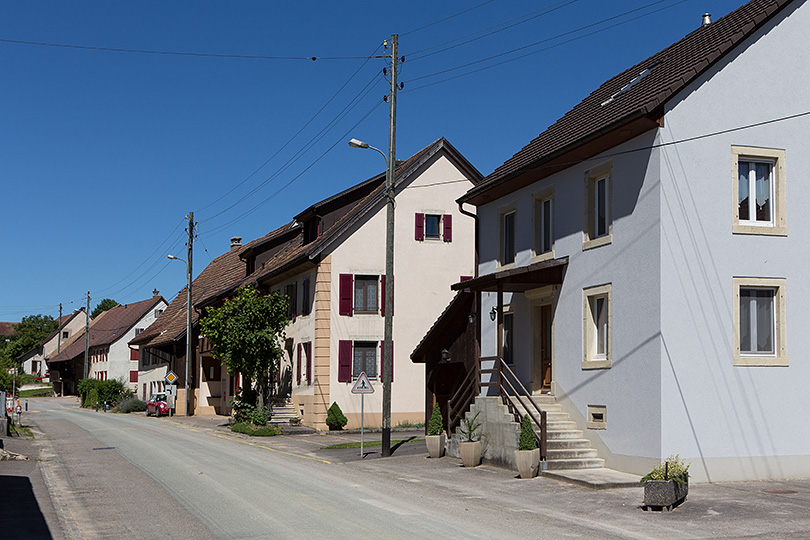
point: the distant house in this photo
(7, 329)
(110, 356)
(330, 262)
(33, 361)
(643, 261)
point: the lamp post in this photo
(188, 332)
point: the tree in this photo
(104, 305)
(246, 335)
(28, 333)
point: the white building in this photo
(33, 361)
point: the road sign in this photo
(362, 385)
(171, 378)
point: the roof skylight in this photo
(632, 83)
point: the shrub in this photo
(435, 426)
(247, 413)
(335, 418)
(132, 404)
(111, 391)
(92, 399)
(528, 440)
(670, 469)
(256, 431)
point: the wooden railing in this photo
(462, 399)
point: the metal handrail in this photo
(541, 423)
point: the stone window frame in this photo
(771, 155)
(780, 357)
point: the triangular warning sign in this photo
(362, 385)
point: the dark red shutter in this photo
(382, 296)
(344, 361)
(346, 294)
(308, 353)
(462, 279)
(133, 355)
(305, 297)
(133, 376)
(294, 299)
(382, 361)
(419, 230)
(447, 222)
(298, 366)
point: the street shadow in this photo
(21, 516)
(395, 447)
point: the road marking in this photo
(269, 448)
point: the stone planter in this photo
(470, 453)
(435, 445)
(659, 494)
(528, 462)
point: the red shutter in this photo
(133, 355)
(308, 352)
(344, 361)
(382, 361)
(133, 376)
(298, 366)
(305, 309)
(346, 303)
(447, 222)
(294, 299)
(419, 230)
(382, 296)
(462, 279)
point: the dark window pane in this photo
(601, 207)
(742, 191)
(763, 187)
(365, 359)
(432, 226)
(365, 293)
(546, 246)
(508, 238)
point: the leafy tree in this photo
(104, 305)
(246, 335)
(29, 332)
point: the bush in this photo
(111, 391)
(92, 399)
(256, 431)
(528, 440)
(132, 404)
(335, 418)
(247, 413)
(670, 469)
(435, 426)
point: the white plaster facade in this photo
(35, 362)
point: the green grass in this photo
(21, 431)
(36, 392)
(410, 425)
(367, 443)
(256, 431)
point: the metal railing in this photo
(512, 391)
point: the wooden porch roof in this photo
(519, 279)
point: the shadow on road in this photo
(21, 516)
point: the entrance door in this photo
(542, 319)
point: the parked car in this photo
(157, 404)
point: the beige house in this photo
(33, 361)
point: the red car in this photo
(157, 405)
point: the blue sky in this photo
(103, 153)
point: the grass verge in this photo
(36, 392)
(256, 431)
(21, 431)
(367, 443)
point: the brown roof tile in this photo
(7, 328)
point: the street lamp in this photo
(388, 360)
(188, 332)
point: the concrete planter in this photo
(470, 453)
(528, 462)
(436, 445)
(664, 493)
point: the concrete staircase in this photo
(567, 448)
(283, 412)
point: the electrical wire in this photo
(446, 18)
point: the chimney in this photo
(236, 242)
(155, 293)
(707, 20)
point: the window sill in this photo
(506, 266)
(542, 257)
(738, 228)
(358, 312)
(763, 361)
(596, 364)
(596, 242)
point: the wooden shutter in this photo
(294, 300)
(344, 361)
(298, 366)
(462, 279)
(382, 296)
(382, 361)
(308, 353)
(346, 303)
(133, 355)
(133, 376)
(305, 297)
(419, 230)
(447, 223)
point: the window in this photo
(433, 227)
(432, 222)
(365, 294)
(598, 207)
(65, 334)
(138, 331)
(597, 417)
(597, 329)
(305, 298)
(508, 338)
(544, 225)
(759, 322)
(291, 292)
(759, 187)
(507, 243)
(364, 359)
(158, 313)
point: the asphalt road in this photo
(129, 476)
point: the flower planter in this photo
(470, 453)
(435, 445)
(660, 494)
(528, 462)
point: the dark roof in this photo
(109, 327)
(220, 274)
(7, 328)
(518, 279)
(639, 92)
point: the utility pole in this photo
(87, 335)
(59, 339)
(188, 312)
(388, 359)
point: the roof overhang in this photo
(519, 279)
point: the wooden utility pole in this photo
(87, 335)
(188, 312)
(59, 338)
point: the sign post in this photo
(362, 386)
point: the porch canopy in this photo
(519, 279)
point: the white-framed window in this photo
(365, 359)
(759, 322)
(597, 318)
(432, 226)
(507, 238)
(759, 191)
(598, 228)
(544, 224)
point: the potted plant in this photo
(527, 456)
(436, 438)
(470, 445)
(667, 484)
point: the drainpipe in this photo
(475, 219)
(476, 301)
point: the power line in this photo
(180, 53)
(446, 18)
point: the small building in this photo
(34, 360)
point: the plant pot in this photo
(664, 493)
(470, 453)
(528, 462)
(435, 445)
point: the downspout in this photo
(476, 301)
(475, 219)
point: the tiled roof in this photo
(220, 274)
(620, 99)
(7, 328)
(109, 327)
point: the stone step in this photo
(560, 444)
(571, 453)
(561, 425)
(563, 434)
(587, 463)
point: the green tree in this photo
(246, 335)
(28, 333)
(104, 305)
